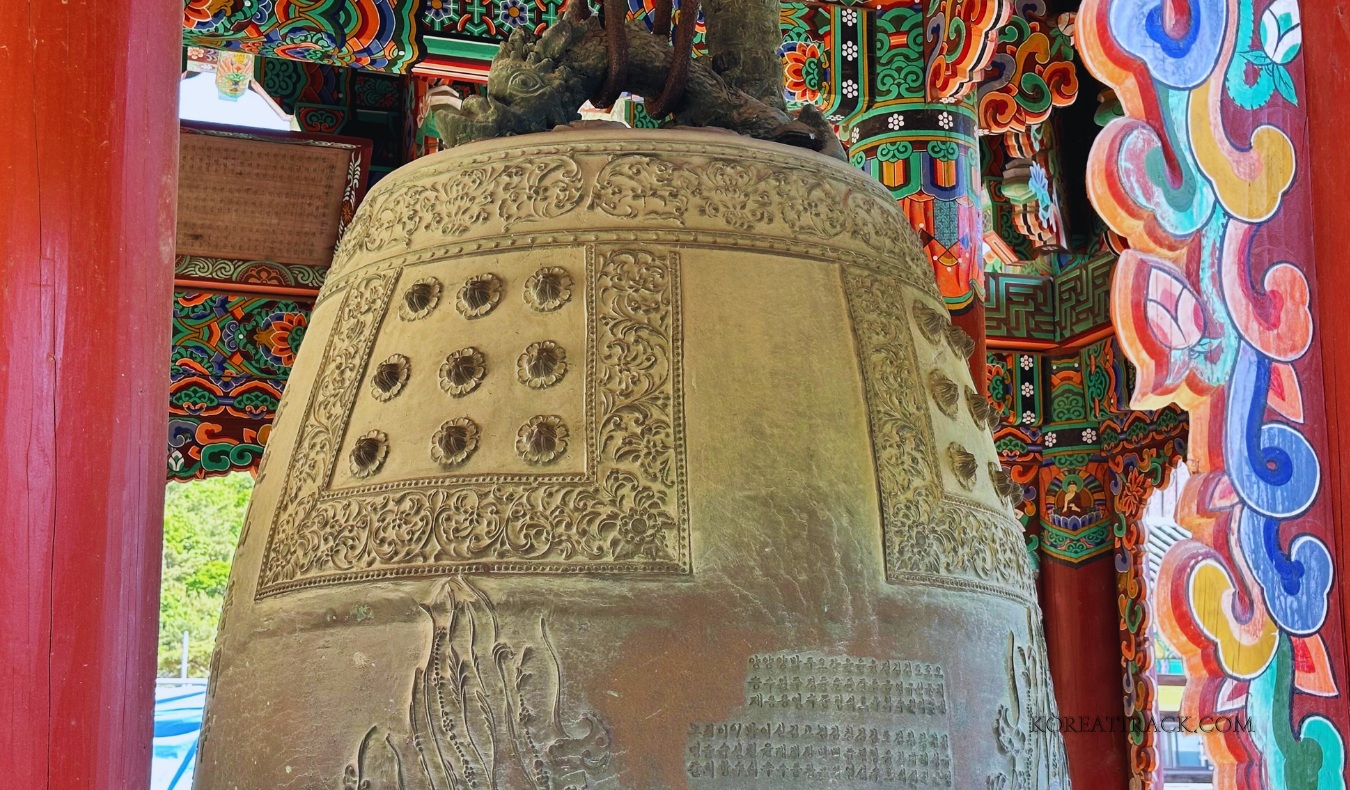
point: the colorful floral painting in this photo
(513, 14)
(231, 358)
(367, 34)
(806, 72)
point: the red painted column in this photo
(1082, 641)
(972, 321)
(88, 165)
(1326, 38)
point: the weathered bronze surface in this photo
(537, 82)
(630, 460)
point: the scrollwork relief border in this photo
(930, 537)
(711, 189)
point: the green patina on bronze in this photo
(539, 82)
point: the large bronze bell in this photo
(630, 459)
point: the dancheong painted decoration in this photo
(232, 355)
(1207, 177)
(367, 34)
(1175, 327)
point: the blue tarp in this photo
(178, 722)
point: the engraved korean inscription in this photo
(812, 720)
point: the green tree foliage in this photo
(202, 520)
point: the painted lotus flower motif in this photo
(439, 11)
(1134, 493)
(1039, 183)
(805, 71)
(513, 13)
(1281, 31)
(1174, 313)
(234, 72)
(280, 337)
(202, 14)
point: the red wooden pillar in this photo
(1082, 641)
(88, 165)
(972, 321)
(1326, 37)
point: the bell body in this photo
(630, 459)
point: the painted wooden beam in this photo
(1208, 177)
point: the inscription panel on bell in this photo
(812, 720)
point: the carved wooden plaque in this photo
(266, 196)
